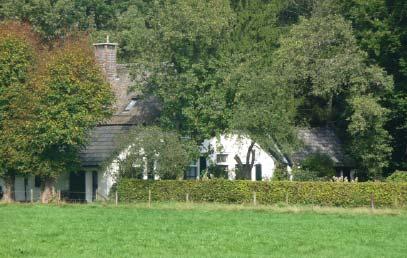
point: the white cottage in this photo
(222, 152)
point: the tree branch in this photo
(249, 151)
(238, 160)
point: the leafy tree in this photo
(73, 98)
(381, 30)
(55, 19)
(322, 65)
(151, 151)
(320, 163)
(17, 59)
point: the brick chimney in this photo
(105, 54)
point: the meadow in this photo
(199, 230)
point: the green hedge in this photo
(226, 191)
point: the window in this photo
(94, 184)
(37, 181)
(259, 173)
(192, 172)
(131, 104)
(221, 158)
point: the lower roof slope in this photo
(321, 140)
(103, 143)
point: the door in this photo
(94, 184)
(259, 175)
(77, 187)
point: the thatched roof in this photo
(321, 140)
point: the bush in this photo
(300, 174)
(398, 176)
(320, 164)
(227, 191)
(281, 174)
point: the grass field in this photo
(200, 230)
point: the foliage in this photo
(398, 176)
(151, 151)
(73, 98)
(184, 59)
(380, 29)
(18, 57)
(228, 191)
(280, 174)
(301, 174)
(369, 142)
(320, 163)
(320, 62)
(55, 19)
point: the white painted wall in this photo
(88, 186)
(22, 191)
(233, 144)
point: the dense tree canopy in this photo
(17, 59)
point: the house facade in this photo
(220, 154)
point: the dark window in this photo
(94, 184)
(37, 181)
(192, 172)
(259, 175)
(202, 163)
(221, 158)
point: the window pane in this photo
(220, 158)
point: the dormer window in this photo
(131, 104)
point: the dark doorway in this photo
(77, 186)
(343, 171)
(259, 175)
(94, 184)
(202, 164)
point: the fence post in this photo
(187, 197)
(117, 198)
(149, 198)
(371, 200)
(59, 196)
(254, 198)
(31, 196)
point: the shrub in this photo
(321, 164)
(300, 174)
(228, 191)
(398, 176)
(280, 174)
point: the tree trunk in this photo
(246, 169)
(48, 190)
(9, 194)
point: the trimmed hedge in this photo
(226, 191)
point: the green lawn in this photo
(176, 230)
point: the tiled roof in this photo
(103, 143)
(321, 140)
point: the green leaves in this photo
(321, 63)
(73, 98)
(153, 151)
